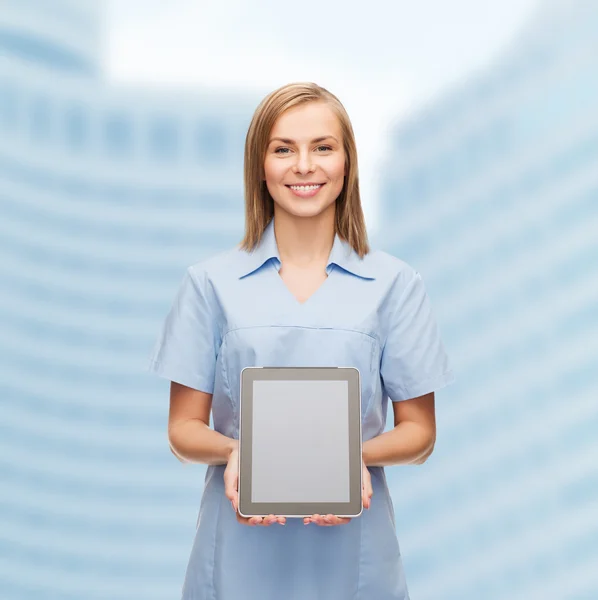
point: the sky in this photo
(382, 58)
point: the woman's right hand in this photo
(231, 491)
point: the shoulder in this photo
(208, 278)
(223, 265)
(393, 272)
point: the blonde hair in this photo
(259, 205)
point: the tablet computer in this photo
(300, 441)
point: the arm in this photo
(412, 439)
(189, 434)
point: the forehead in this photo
(306, 121)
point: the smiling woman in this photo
(303, 139)
(307, 167)
(302, 289)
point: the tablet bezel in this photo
(351, 375)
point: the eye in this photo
(285, 148)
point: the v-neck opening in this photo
(294, 298)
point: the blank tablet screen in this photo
(300, 450)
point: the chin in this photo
(304, 210)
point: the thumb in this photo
(230, 484)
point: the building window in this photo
(211, 142)
(163, 138)
(475, 151)
(501, 134)
(8, 107)
(117, 135)
(40, 118)
(417, 185)
(444, 173)
(394, 200)
(76, 127)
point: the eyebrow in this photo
(289, 141)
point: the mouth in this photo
(306, 191)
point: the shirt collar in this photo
(342, 255)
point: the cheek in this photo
(272, 171)
(337, 169)
(276, 176)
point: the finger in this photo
(331, 520)
(230, 488)
(243, 520)
(334, 520)
(249, 520)
(268, 520)
(368, 491)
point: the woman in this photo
(302, 289)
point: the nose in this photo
(304, 163)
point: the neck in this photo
(304, 241)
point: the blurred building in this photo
(491, 192)
(107, 194)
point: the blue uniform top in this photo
(233, 310)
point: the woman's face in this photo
(302, 157)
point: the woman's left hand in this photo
(367, 492)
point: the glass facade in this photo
(103, 204)
(493, 197)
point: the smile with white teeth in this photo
(305, 187)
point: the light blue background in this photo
(488, 186)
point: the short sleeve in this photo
(413, 361)
(187, 346)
